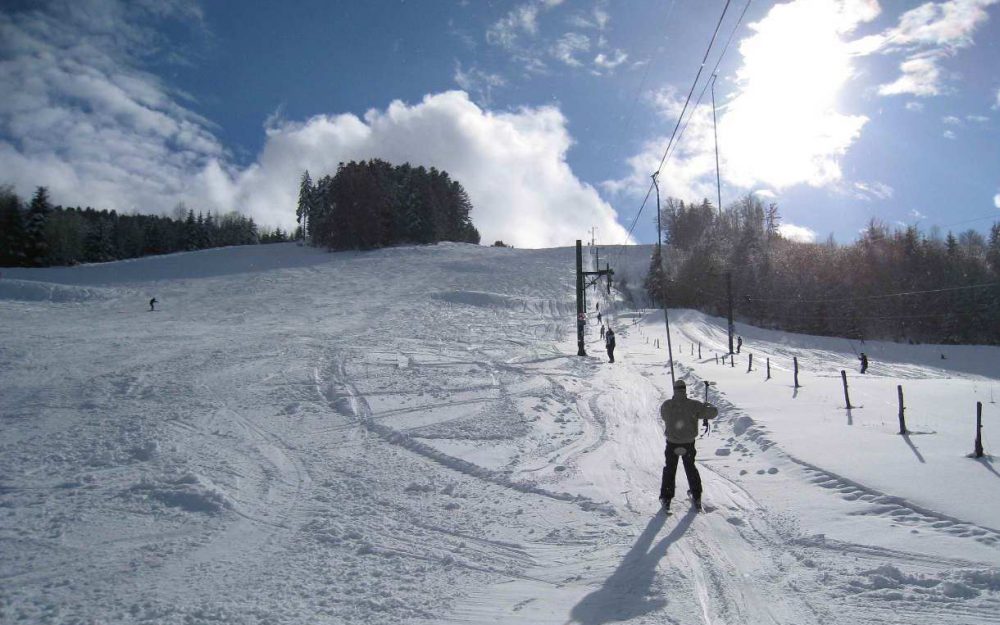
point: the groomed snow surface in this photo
(408, 436)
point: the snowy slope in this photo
(406, 435)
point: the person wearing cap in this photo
(609, 343)
(680, 416)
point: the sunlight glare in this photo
(781, 128)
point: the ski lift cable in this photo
(821, 300)
(673, 135)
(645, 75)
(882, 296)
(714, 74)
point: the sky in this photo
(553, 114)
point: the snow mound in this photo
(482, 299)
(29, 291)
(188, 491)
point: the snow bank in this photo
(188, 491)
(30, 291)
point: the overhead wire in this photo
(674, 134)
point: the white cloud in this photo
(780, 132)
(690, 172)
(801, 234)
(476, 81)
(567, 47)
(997, 104)
(521, 20)
(917, 214)
(513, 166)
(873, 190)
(914, 106)
(597, 19)
(996, 200)
(81, 116)
(930, 33)
(979, 119)
(948, 134)
(772, 132)
(921, 76)
(609, 62)
(951, 120)
(940, 24)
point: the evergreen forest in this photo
(371, 204)
(897, 284)
(38, 234)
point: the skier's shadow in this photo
(626, 594)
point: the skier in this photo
(602, 330)
(739, 343)
(598, 317)
(680, 419)
(864, 362)
(152, 304)
(609, 342)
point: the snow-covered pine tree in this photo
(36, 247)
(306, 197)
(11, 228)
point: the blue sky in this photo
(552, 113)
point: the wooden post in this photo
(795, 362)
(692, 349)
(902, 410)
(716, 358)
(979, 429)
(750, 363)
(699, 351)
(847, 398)
(581, 317)
(732, 360)
(768, 369)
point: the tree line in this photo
(38, 234)
(892, 283)
(371, 204)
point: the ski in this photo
(695, 502)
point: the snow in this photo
(407, 436)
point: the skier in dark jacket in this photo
(609, 342)
(864, 362)
(152, 304)
(680, 416)
(739, 343)
(602, 330)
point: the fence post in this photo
(716, 358)
(795, 362)
(768, 369)
(847, 398)
(902, 410)
(750, 363)
(732, 360)
(979, 430)
(699, 351)
(692, 349)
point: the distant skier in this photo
(602, 330)
(609, 342)
(680, 416)
(598, 317)
(152, 304)
(864, 362)
(739, 343)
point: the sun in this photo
(781, 128)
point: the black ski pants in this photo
(611, 354)
(670, 470)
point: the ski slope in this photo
(407, 436)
